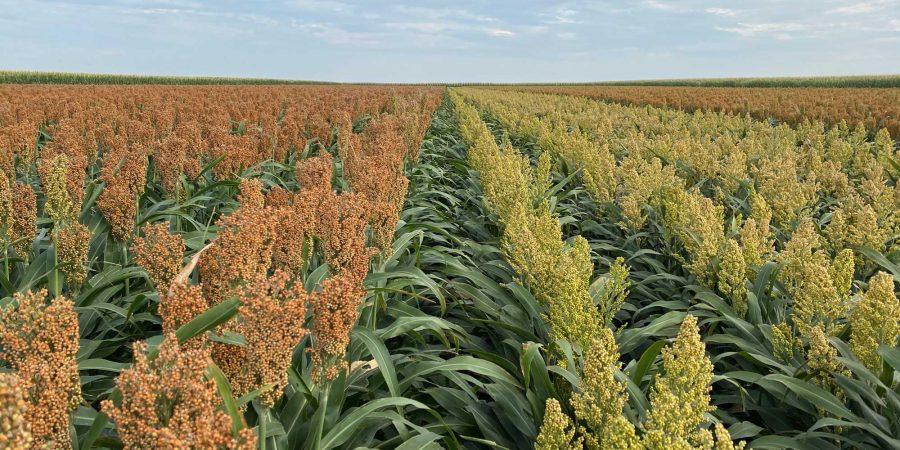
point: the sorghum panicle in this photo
(822, 362)
(39, 341)
(557, 431)
(842, 268)
(6, 207)
(278, 197)
(59, 205)
(601, 399)
(856, 224)
(251, 196)
(875, 321)
(124, 171)
(335, 311)
(315, 173)
(72, 244)
(167, 161)
(159, 252)
(297, 218)
(15, 431)
(168, 403)
(7, 157)
(615, 290)
(271, 319)
(784, 343)
(24, 225)
(723, 439)
(179, 304)
(242, 249)
(731, 274)
(79, 144)
(680, 396)
(697, 223)
(806, 276)
(342, 221)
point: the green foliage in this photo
(26, 77)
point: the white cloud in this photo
(500, 33)
(780, 30)
(423, 27)
(321, 5)
(446, 13)
(158, 11)
(564, 16)
(662, 6)
(537, 29)
(560, 16)
(339, 36)
(862, 7)
(566, 36)
(722, 11)
(181, 4)
(438, 24)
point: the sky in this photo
(453, 41)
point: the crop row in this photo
(874, 108)
(559, 276)
(215, 229)
(778, 233)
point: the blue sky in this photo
(463, 40)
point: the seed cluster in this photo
(602, 397)
(251, 195)
(335, 311)
(373, 165)
(123, 174)
(679, 402)
(6, 206)
(807, 276)
(822, 363)
(178, 154)
(159, 252)
(178, 305)
(168, 403)
(24, 224)
(72, 244)
(557, 430)
(15, 431)
(314, 174)
(680, 399)
(241, 251)
(59, 205)
(38, 340)
(77, 143)
(297, 218)
(875, 321)
(271, 319)
(615, 290)
(341, 226)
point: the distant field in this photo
(875, 108)
(856, 81)
(18, 77)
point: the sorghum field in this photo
(417, 267)
(874, 108)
